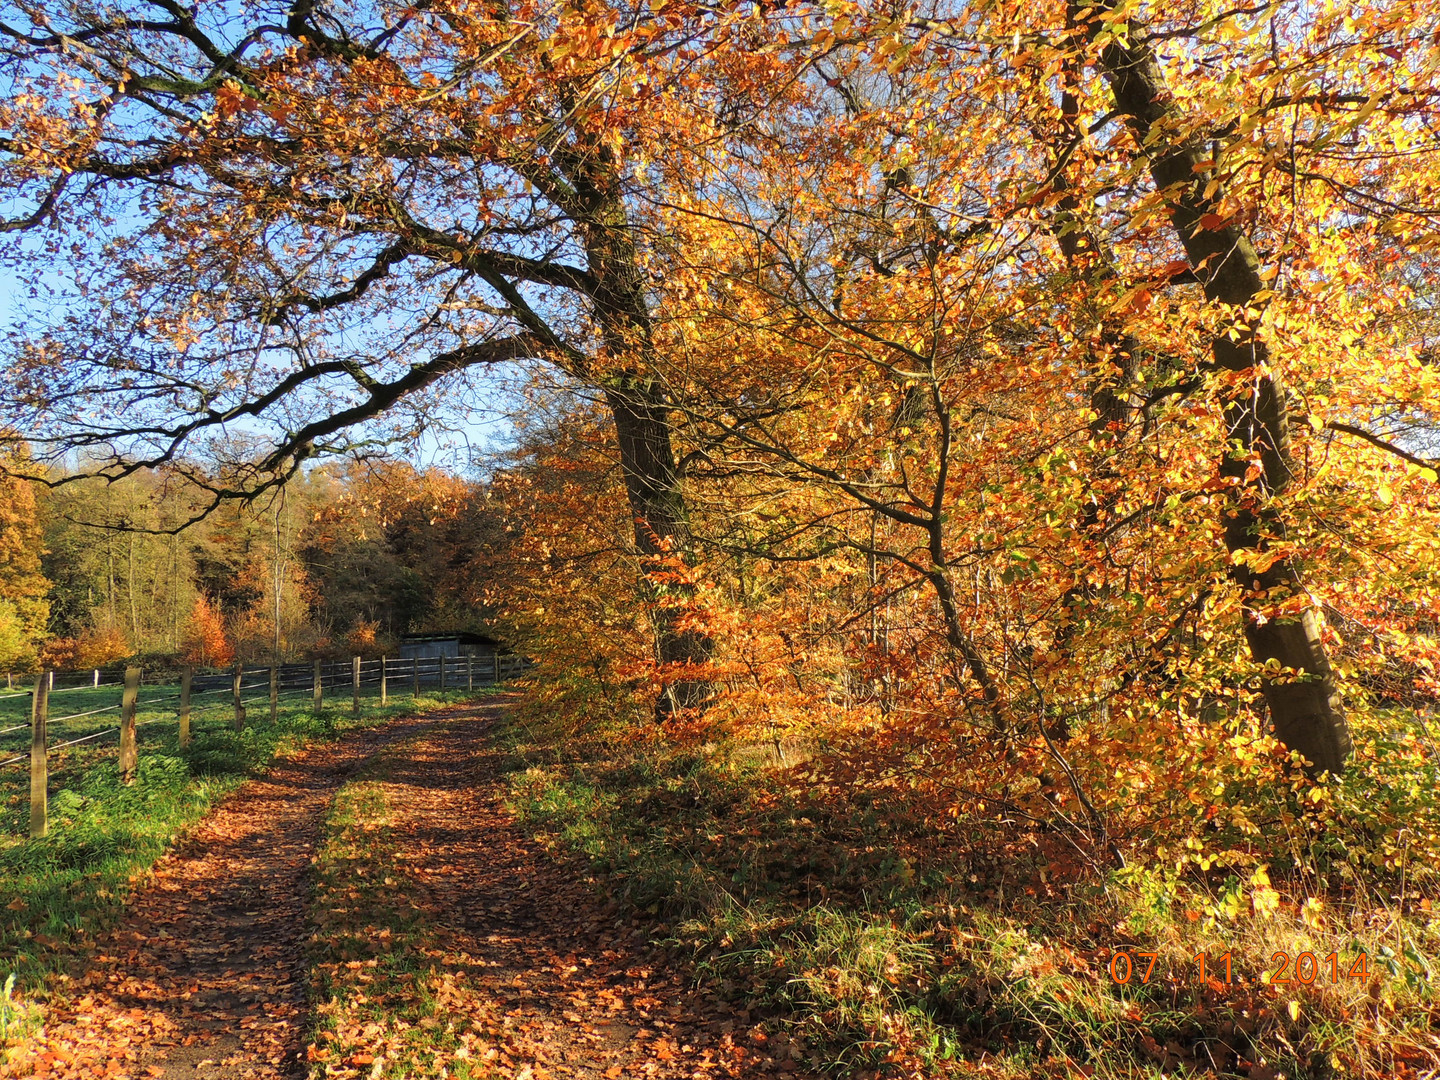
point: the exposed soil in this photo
(204, 977)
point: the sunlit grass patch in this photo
(378, 981)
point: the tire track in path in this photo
(553, 982)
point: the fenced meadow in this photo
(69, 722)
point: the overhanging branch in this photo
(1383, 444)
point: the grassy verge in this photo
(378, 976)
(56, 892)
(892, 944)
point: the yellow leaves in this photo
(889, 46)
(1227, 907)
(1256, 560)
(1367, 109)
(1196, 852)
(1264, 900)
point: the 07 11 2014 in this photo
(1304, 969)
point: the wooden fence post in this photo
(274, 693)
(384, 682)
(470, 672)
(497, 669)
(416, 673)
(442, 673)
(95, 677)
(129, 757)
(318, 685)
(39, 764)
(235, 692)
(355, 685)
(187, 677)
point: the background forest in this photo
(341, 562)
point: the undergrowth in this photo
(898, 946)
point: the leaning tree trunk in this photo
(1307, 712)
(641, 412)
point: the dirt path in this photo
(540, 958)
(204, 977)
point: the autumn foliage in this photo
(91, 649)
(24, 607)
(205, 642)
(1035, 402)
(1021, 414)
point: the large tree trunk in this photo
(642, 426)
(1114, 361)
(647, 458)
(1307, 712)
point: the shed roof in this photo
(465, 637)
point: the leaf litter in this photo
(512, 958)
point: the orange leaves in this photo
(362, 639)
(231, 99)
(24, 606)
(206, 643)
(92, 649)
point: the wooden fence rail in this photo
(292, 676)
(278, 681)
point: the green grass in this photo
(57, 892)
(884, 940)
(381, 987)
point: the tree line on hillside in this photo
(341, 561)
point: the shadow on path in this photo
(203, 975)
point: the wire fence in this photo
(318, 680)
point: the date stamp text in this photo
(1128, 966)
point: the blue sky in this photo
(474, 438)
